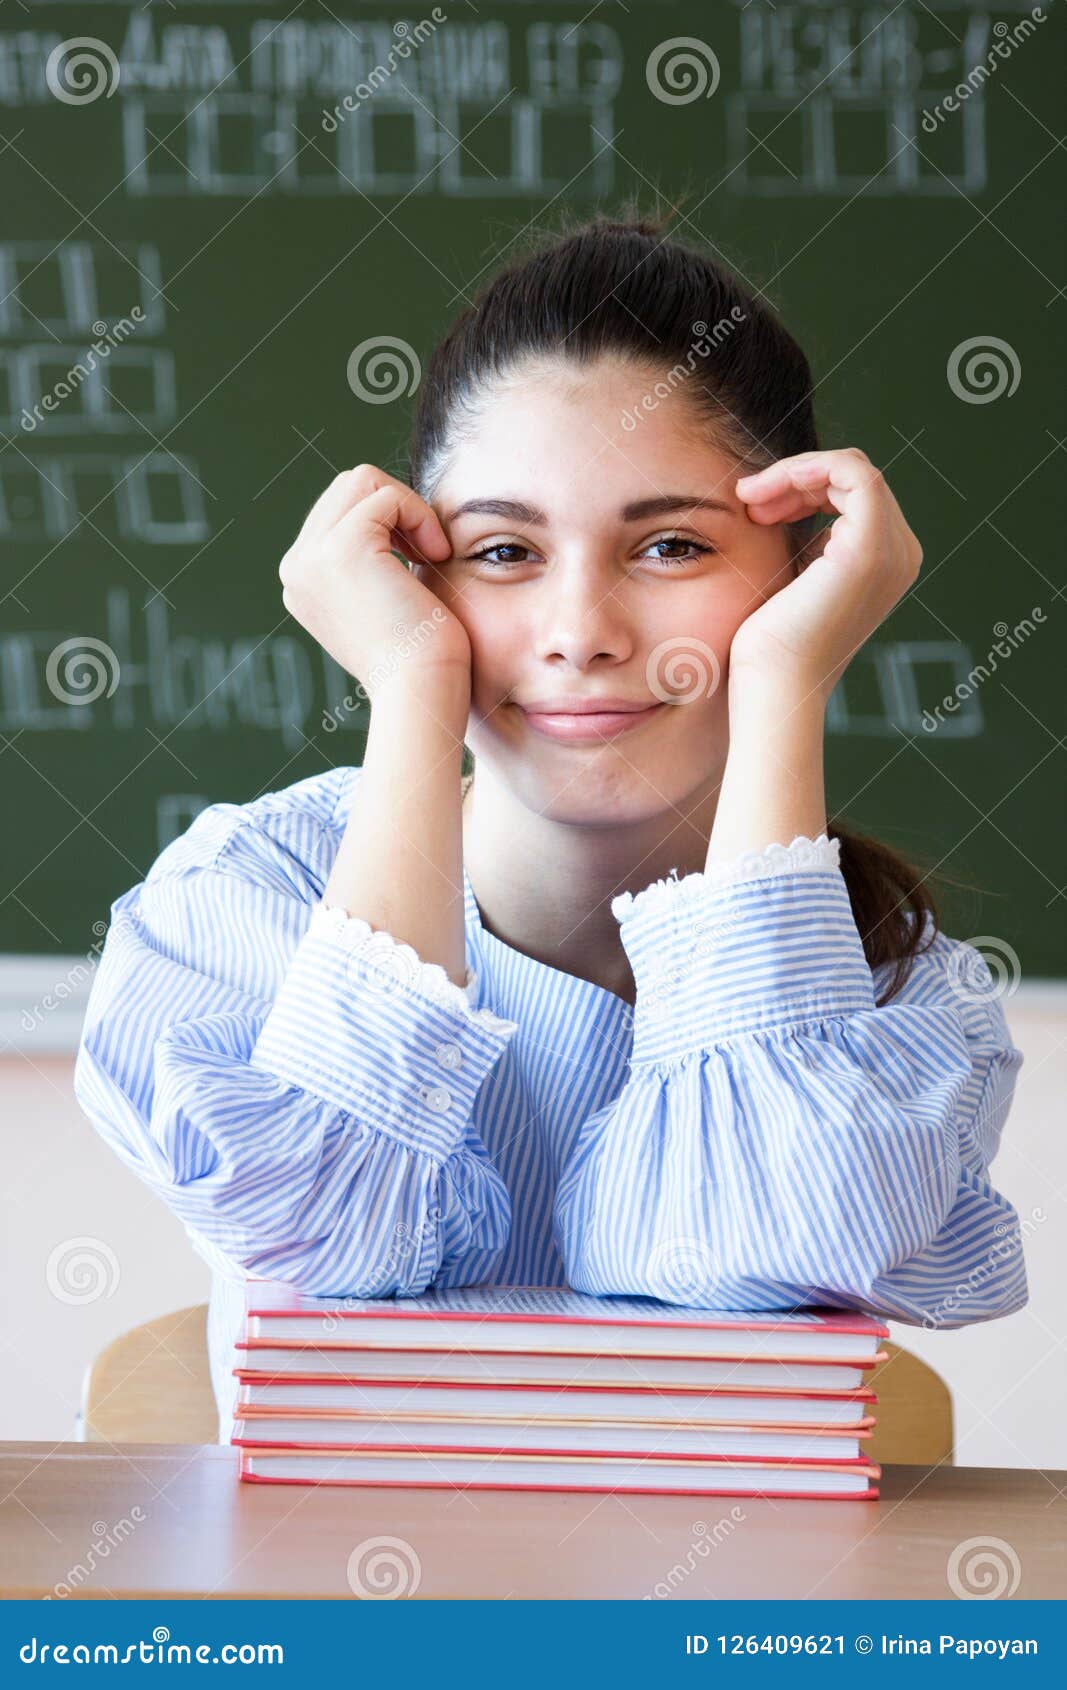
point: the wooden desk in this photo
(173, 1520)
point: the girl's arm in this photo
(295, 1085)
(781, 1141)
(263, 1045)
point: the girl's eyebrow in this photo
(639, 510)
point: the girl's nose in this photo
(580, 616)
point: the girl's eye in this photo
(693, 547)
(501, 546)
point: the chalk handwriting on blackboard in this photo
(63, 388)
(169, 679)
(909, 678)
(78, 287)
(481, 108)
(153, 496)
(828, 99)
(831, 98)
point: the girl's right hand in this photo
(341, 581)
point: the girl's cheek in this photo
(497, 661)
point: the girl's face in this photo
(594, 559)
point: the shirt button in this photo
(449, 1056)
(438, 1098)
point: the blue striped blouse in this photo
(319, 1106)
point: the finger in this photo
(404, 516)
(400, 542)
(843, 468)
(842, 483)
(790, 506)
(352, 486)
(337, 498)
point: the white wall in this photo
(1008, 1378)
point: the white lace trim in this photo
(803, 856)
(404, 964)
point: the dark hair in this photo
(620, 287)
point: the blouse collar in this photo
(511, 984)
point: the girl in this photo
(711, 1047)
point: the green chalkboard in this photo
(190, 194)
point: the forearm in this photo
(400, 862)
(773, 787)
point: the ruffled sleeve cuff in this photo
(402, 964)
(362, 1021)
(765, 940)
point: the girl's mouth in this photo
(588, 727)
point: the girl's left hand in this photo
(860, 566)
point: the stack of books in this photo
(532, 1388)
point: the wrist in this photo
(440, 691)
(773, 786)
(764, 702)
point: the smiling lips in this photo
(586, 719)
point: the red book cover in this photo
(862, 1400)
(584, 1475)
(256, 1435)
(248, 1376)
(416, 1349)
(538, 1304)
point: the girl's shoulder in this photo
(973, 977)
(296, 827)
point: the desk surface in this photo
(173, 1520)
